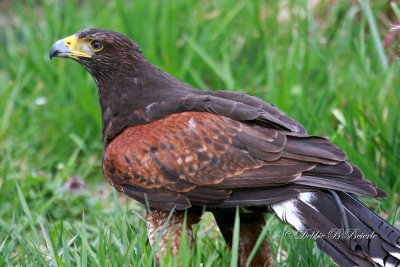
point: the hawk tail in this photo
(345, 229)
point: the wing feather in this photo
(200, 158)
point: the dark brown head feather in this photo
(111, 38)
(118, 56)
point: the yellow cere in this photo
(77, 47)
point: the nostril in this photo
(68, 43)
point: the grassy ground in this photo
(325, 65)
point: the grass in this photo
(324, 65)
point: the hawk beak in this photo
(68, 47)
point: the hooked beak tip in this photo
(59, 49)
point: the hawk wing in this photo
(200, 158)
(234, 105)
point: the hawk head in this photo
(103, 53)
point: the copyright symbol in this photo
(288, 234)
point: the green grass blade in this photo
(49, 241)
(235, 240)
(366, 7)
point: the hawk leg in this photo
(165, 229)
(251, 226)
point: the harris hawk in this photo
(175, 148)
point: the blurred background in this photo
(329, 64)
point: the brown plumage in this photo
(172, 147)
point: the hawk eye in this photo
(96, 45)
